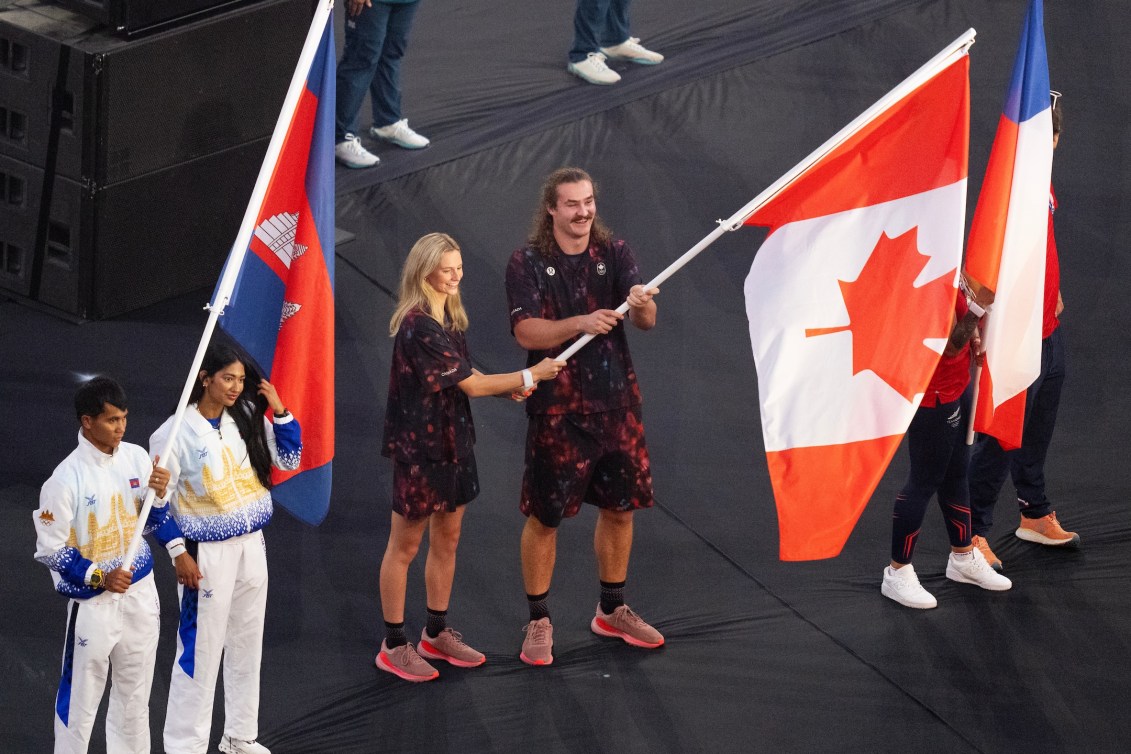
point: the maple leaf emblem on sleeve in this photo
(889, 317)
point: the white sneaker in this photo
(972, 568)
(400, 134)
(634, 52)
(902, 585)
(351, 154)
(230, 745)
(594, 70)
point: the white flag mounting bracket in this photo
(217, 307)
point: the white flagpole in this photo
(949, 54)
(974, 404)
(239, 248)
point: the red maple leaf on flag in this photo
(889, 317)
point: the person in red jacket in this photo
(989, 463)
(936, 444)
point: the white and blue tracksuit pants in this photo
(224, 617)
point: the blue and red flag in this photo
(281, 310)
(1008, 239)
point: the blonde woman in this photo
(429, 435)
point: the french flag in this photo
(281, 310)
(1008, 236)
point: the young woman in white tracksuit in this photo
(220, 472)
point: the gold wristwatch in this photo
(97, 578)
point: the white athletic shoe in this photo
(902, 585)
(634, 52)
(400, 134)
(972, 568)
(350, 153)
(594, 70)
(230, 745)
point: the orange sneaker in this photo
(1046, 531)
(983, 545)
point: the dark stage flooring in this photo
(761, 655)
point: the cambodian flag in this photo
(281, 310)
(1008, 236)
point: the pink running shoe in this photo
(623, 623)
(405, 663)
(538, 646)
(449, 647)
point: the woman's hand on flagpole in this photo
(159, 478)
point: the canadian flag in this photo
(850, 301)
(1008, 239)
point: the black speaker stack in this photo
(126, 163)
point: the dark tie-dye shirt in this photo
(600, 377)
(428, 417)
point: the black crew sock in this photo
(612, 596)
(437, 622)
(538, 605)
(394, 635)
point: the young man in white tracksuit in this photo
(88, 512)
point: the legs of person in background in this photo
(365, 39)
(990, 464)
(385, 86)
(1027, 464)
(601, 32)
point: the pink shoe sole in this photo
(522, 656)
(427, 650)
(388, 667)
(601, 628)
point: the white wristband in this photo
(527, 379)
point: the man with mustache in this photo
(585, 439)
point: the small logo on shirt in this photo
(82, 641)
(134, 483)
(46, 518)
(600, 268)
(516, 310)
(91, 500)
(202, 454)
(954, 418)
(551, 271)
(450, 371)
(207, 593)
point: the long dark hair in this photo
(250, 406)
(541, 237)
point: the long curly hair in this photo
(542, 228)
(249, 408)
(423, 259)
